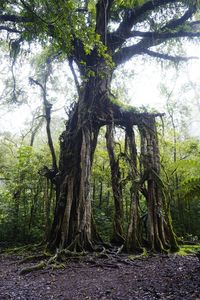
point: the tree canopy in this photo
(85, 30)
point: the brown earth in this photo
(156, 277)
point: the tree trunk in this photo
(72, 224)
(100, 194)
(133, 241)
(117, 237)
(159, 237)
(48, 195)
(72, 227)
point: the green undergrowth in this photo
(189, 249)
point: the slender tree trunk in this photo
(133, 241)
(100, 194)
(48, 195)
(117, 190)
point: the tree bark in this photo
(133, 240)
(73, 227)
(118, 233)
(160, 235)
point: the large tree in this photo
(98, 36)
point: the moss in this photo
(21, 250)
(37, 267)
(57, 266)
(124, 106)
(189, 249)
(144, 254)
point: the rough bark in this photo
(118, 233)
(158, 238)
(133, 240)
(73, 225)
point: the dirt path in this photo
(160, 277)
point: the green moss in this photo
(37, 267)
(57, 266)
(124, 106)
(144, 254)
(189, 249)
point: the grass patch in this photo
(189, 249)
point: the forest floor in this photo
(156, 277)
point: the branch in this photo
(132, 17)
(10, 29)
(30, 10)
(164, 35)
(33, 81)
(174, 23)
(102, 17)
(15, 19)
(47, 108)
(155, 38)
(75, 76)
(169, 57)
(128, 52)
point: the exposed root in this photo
(32, 258)
(25, 249)
(143, 255)
(57, 261)
(37, 267)
(107, 258)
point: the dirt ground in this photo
(156, 277)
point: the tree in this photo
(98, 36)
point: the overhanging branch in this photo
(169, 57)
(174, 23)
(117, 38)
(164, 35)
(151, 39)
(15, 19)
(132, 17)
(8, 29)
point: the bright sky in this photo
(143, 88)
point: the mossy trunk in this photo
(72, 226)
(157, 224)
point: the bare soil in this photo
(156, 277)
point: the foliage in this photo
(22, 196)
(180, 167)
(189, 249)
